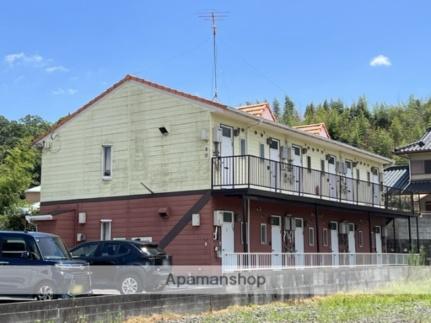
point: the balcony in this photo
(252, 172)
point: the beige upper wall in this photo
(256, 134)
(128, 119)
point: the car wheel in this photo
(44, 291)
(130, 284)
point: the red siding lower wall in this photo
(195, 245)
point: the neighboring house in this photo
(414, 179)
(32, 197)
(204, 180)
(318, 129)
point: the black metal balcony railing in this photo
(246, 171)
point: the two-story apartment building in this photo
(205, 180)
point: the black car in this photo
(37, 265)
(127, 266)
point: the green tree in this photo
(276, 109)
(290, 115)
(16, 171)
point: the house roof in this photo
(421, 145)
(419, 187)
(397, 177)
(35, 189)
(218, 106)
(260, 110)
(317, 129)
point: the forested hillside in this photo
(379, 129)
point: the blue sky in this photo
(57, 55)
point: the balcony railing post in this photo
(339, 186)
(233, 171)
(212, 173)
(372, 194)
(248, 175)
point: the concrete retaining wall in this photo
(283, 285)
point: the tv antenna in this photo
(213, 17)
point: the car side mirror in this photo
(25, 254)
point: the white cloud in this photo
(380, 60)
(57, 68)
(17, 58)
(61, 91)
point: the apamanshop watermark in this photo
(237, 279)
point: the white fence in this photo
(250, 261)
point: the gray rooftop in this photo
(421, 145)
(397, 177)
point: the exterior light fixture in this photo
(163, 131)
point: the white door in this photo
(376, 187)
(334, 242)
(378, 242)
(349, 181)
(274, 156)
(276, 241)
(297, 163)
(226, 153)
(227, 241)
(351, 243)
(299, 242)
(332, 177)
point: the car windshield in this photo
(52, 248)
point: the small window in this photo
(107, 162)
(297, 150)
(325, 237)
(331, 160)
(105, 229)
(275, 220)
(263, 234)
(311, 236)
(273, 144)
(242, 146)
(361, 238)
(226, 132)
(427, 166)
(309, 163)
(298, 223)
(227, 217)
(262, 151)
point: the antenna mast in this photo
(213, 16)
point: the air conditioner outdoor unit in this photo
(217, 134)
(343, 228)
(218, 218)
(82, 217)
(80, 237)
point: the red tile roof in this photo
(317, 129)
(261, 110)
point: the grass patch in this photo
(391, 305)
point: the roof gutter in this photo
(34, 218)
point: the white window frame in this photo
(311, 237)
(102, 223)
(106, 177)
(361, 238)
(263, 241)
(325, 237)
